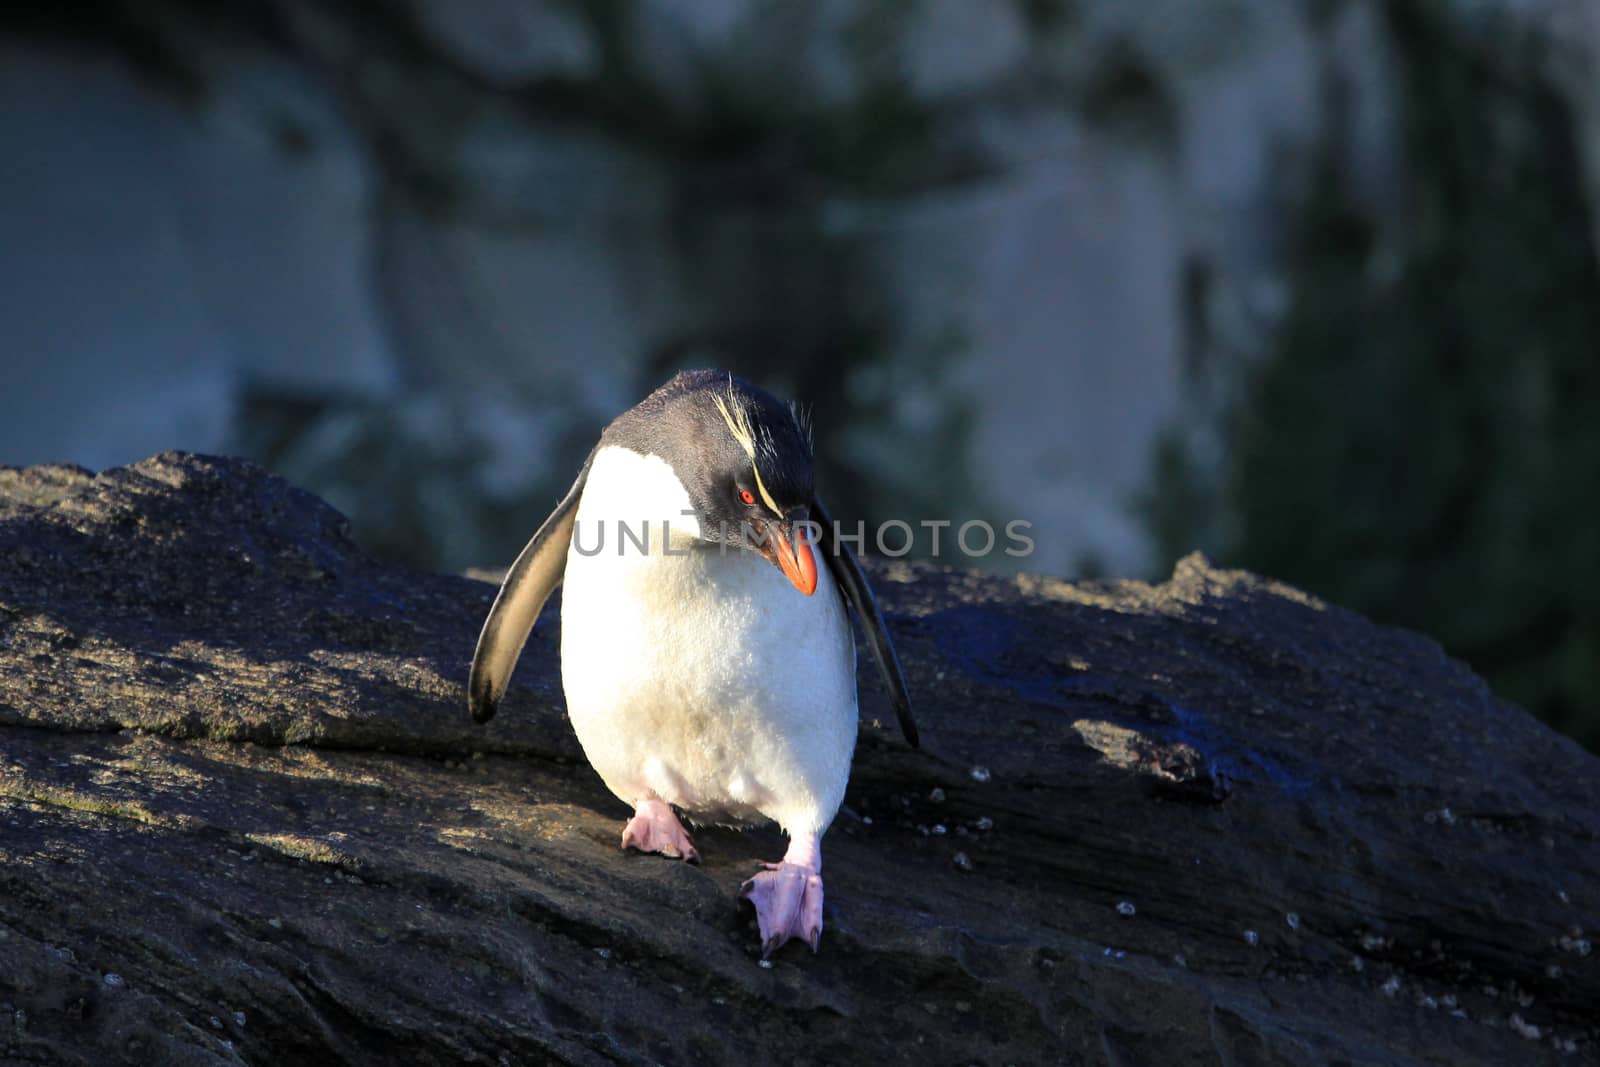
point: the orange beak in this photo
(796, 559)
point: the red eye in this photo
(747, 496)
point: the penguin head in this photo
(744, 459)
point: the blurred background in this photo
(1308, 284)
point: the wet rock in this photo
(237, 771)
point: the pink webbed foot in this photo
(788, 895)
(788, 901)
(654, 828)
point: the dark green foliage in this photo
(1046, 16)
(1125, 93)
(1423, 444)
(152, 36)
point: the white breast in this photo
(700, 674)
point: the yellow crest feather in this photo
(738, 420)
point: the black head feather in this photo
(724, 437)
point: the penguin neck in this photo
(627, 489)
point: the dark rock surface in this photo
(244, 817)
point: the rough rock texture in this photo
(244, 817)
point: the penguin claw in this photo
(654, 828)
(788, 902)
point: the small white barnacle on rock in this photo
(114, 981)
(1392, 986)
(980, 773)
(1524, 1028)
(1251, 938)
(1293, 919)
(936, 795)
(1126, 909)
(962, 860)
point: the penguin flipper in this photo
(853, 583)
(528, 584)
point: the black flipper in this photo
(853, 584)
(529, 583)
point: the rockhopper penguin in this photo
(706, 656)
